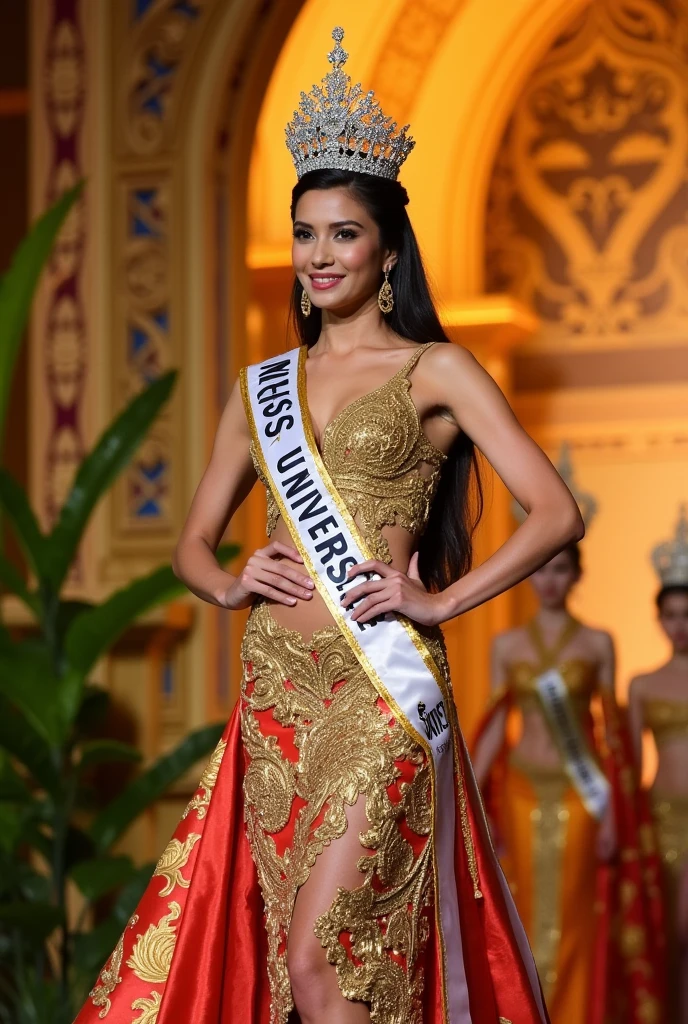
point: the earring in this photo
(305, 303)
(385, 297)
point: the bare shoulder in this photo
(441, 360)
(602, 641)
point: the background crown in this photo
(339, 126)
(586, 502)
(670, 558)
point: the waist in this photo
(306, 628)
(312, 613)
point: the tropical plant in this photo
(57, 838)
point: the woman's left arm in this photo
(553, 520)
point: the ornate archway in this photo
(169, 93)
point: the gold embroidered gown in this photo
(668, 721)
(596, 929)
(311, 738)
(317, 737)
(549, 840)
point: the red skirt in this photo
(209, 935)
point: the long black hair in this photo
(446, 547)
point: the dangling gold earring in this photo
(305, 303)
(385, 297)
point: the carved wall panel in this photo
(154, 42)
(64, 329)
(408, 50)
(587, 219)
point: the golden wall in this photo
(178, 256)
(587, 224)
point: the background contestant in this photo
(553, 831)
(659, 702)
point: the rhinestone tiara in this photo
(670, 558)
(586, 502)
(339, 126)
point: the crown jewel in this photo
(670, 558)
(586, 502)
(339, 126)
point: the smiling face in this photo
(673, 618)
(555, 580)
(337, 252)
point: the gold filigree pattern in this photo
(671, 817)
(171, 862)
(201, 801)
(150, 1007)
(336, 742)
(373, 450)
(110, 977)
(586, 215)
(549, 823)
(151, 956)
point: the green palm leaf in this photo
(91, 950)
(12, 581)
(28, 680)
(99, 470)
(24, 523)
(20, 739)
(35, 919)
(149, 786)
(18, 285)
(106, 752)
(96, 877)
(93, 632)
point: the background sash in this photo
(579, 763)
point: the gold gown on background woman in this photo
(668, 721)
(595, 930)
(549, 839)
(659, 703)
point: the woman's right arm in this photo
(492, 738)
(225, 485)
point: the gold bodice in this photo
(373, 450)
(579, 674)
(668, 719)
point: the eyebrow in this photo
(335, 224)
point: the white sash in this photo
(579, 764)
(390, 650)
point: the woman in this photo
(658, 701)
(362, 886)
(557, 812)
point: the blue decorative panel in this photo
(146, 216)
(141, 7)
(167, 680)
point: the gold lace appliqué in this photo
(201, 800)
(151, 957)
(172, 861)
(343, 745)
(373, 450)
(109, 977)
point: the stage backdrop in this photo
(551, 144)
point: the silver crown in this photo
(586, 502)
(339, 126)
(670, 558)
